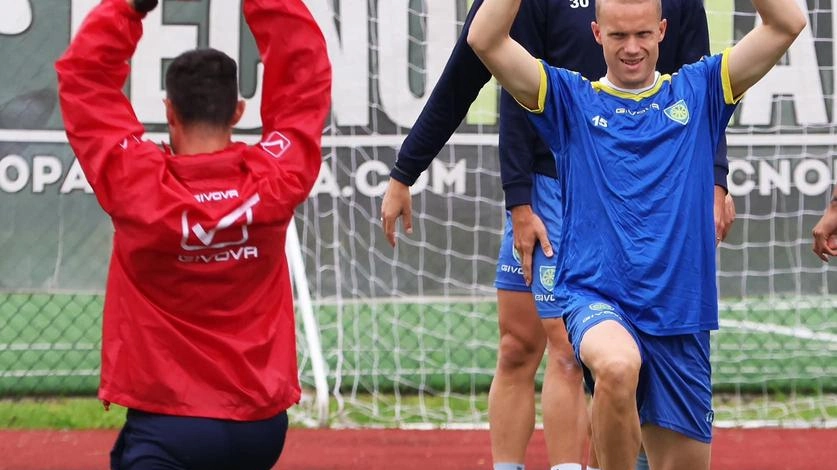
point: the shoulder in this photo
(562, 74)
(701, 75)
(701, 65)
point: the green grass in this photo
(49, 344)
(59, 413)
(88, 413)
(431, 359)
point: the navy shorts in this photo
(675, 380)
(546, 203)
(154, 441)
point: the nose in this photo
(631, 45)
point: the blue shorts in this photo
(675, 380)
(546, 203)
(548, 207)
(151, 441)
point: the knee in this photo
(617, 376)
(561, 361)
(516, 353)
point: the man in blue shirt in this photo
(635, 281)
(559, 31)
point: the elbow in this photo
(61, 74)
(60, 66)
(480, 43)
(64, 68)
(475, 41)
(796, 24)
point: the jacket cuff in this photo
(721, 178)
(518, 194)
(402, 176)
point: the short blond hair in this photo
(657, 3)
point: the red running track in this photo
(314, 449)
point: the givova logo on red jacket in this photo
(229, 230)
(275, 144)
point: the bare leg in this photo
(592, 459)
(612, 355)
(669, 450)
(565, 419)
(511, 399)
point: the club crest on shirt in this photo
(547, 277)
(678, 112)
(516, 255)
(599, 306)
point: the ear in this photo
(239, 111)
(663, 27)
(597, 32)
(171, 114)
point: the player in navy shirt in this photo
(635, 281)
(559, 31)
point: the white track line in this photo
(793, 331)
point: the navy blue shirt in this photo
(559, 33)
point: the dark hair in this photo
(202, 85)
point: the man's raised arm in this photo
(516, 70)
(459, 85)
(761, 48)
(296, 94)
(98, 117)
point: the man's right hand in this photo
(397, 203)
(528, 229)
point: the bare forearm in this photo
(758, 51)
(492, 24)
(784, 16)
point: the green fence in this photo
(50, 345)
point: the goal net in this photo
(408, 336)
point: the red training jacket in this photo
(199, 317)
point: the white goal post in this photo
(305, 310)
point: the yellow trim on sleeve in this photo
(541, 92)
(725, 81)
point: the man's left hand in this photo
(724, 214)
(825, 233)
(528, 229)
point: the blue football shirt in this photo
(636, 172)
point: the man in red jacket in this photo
(198, 337)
